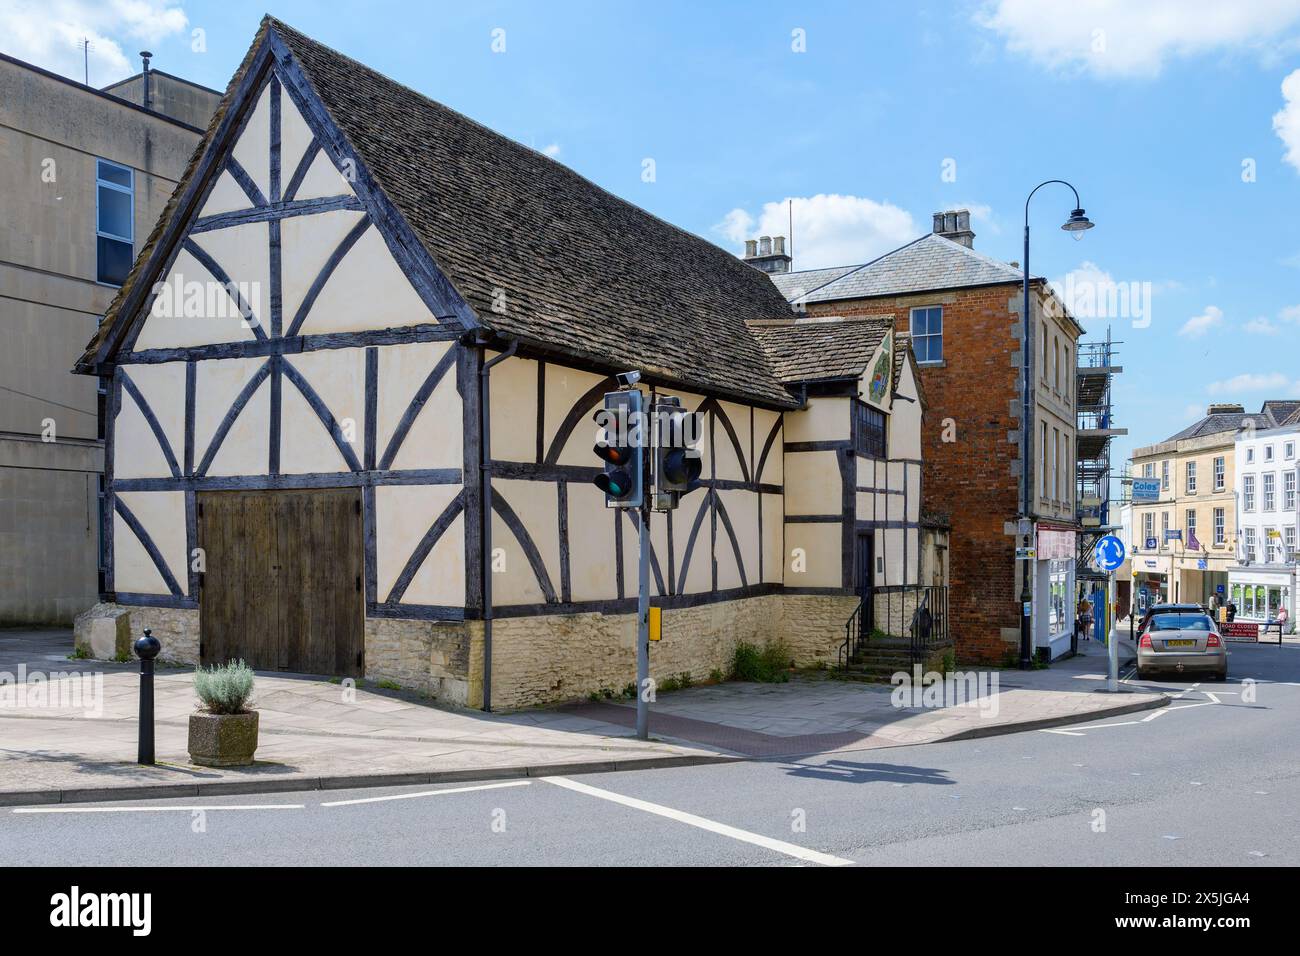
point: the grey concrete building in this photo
(83, 175)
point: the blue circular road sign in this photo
(1109, 553)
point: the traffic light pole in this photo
(643, 626)
(643, 586)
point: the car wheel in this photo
(1222, 676)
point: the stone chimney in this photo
(1225, 408)
(955, 225)
(767, 254)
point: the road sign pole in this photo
(1112, 639)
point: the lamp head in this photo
(1078, 224)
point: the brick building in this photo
(961, 309)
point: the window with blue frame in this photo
(927, 334)
(114, 221)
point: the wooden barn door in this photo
(282, 580)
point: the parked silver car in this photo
(1182, 641)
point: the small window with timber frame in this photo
(868, 430)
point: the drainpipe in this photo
(485, 485)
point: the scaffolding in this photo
(1095, 431)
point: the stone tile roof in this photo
(1223, 422)
(922, 265)
(792, 285)
(584, 273)
(1282, 409)
(808, 350)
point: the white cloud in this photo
(1134, 37)
(1286, 121)
(829, 229)
(1252, 382)
(48, 33)
(552, 150)
(1261, 326)
(1198, 325)
(1290, 314)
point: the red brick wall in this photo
(971, 478)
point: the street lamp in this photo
(1076, 225)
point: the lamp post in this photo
(1077, 224)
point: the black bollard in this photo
(146, 649)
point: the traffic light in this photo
(620, 450)
(677, 464)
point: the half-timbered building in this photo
(369, 451)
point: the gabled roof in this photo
(1293, 418)
(793, 285)
(1223, 422)
(926, 264)
(812, 350)
(1281, 409)
(583, 273)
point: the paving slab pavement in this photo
(318, 734)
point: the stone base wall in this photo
(177, 628)
(432, 656)
(539, 660)
(549, 658)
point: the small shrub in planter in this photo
(224, 732)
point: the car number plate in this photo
(1180, 643)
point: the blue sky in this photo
(1150, 107)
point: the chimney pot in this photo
(778, 245)
(764, 245)
(751, 248)
(954, 224)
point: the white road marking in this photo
(190, 809)
(745, 836)
(426, 793)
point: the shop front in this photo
(1260, 593)
(1150, 582)
(1054, 597)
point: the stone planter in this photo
(223, 740)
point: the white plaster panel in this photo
(246, 449)
(742, 509)
(773, 467)
(305, 444)
(403, 513)
(133, 569)
(194, 309)
(564, 386)
(323, 180)
(253, 148)
(593, 571)
(226, 196)
(905, 420)
(537, 505)
(306, 243)
(822, 419)
(514, 409)
(339, 378)
(812, 483)
(699, 574)
(295, 136)
(729, 462)
(441, 578)
(821, 546)
(436, 437)
(774, 550)
(136, 451)
(162, 513)
(244, 253)
(368, 290)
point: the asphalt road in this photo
(1211, 780)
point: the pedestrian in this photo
(1085, 617)
(1232, 610)
(1282, 617)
